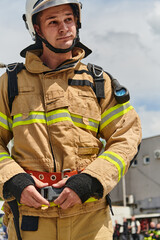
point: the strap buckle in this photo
(64, 171)
(98, 71)
(50, 193)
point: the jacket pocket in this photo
(85, 156)
(29, 223)
(85, 104)
(56, 99)
(27, 102)
(88, 150)
(26, 89)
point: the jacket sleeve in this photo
(8, 166)
(120, 127)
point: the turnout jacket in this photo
(56, 115)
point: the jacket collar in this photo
(38, 45)
(34, 64)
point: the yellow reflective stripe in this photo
(59, 115)
(5, 122)
(115, 159)
(53, 117)
(56, 112)
(52, 204)
(77, 120)
(91, 199)
(114, 113)
(85, 127)
(33, 117)
(121, 160)
(4, 155)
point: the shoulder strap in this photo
(97, 74)
(12, 71)
(120, 92)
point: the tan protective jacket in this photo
(50, 113)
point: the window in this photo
(135, 163)
(146, 160)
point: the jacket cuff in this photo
(85, 186)
(16, 185)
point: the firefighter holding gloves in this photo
(56, 181)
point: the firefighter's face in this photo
(57, 25)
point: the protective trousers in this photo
(89, 226)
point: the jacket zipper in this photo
(49, 137)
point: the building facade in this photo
(142, 181)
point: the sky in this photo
(124, 36)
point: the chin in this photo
(66, 45)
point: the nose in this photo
(63, 27)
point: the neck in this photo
(52, 59)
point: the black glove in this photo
(85, 186)
(16, 185)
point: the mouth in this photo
(64, 38)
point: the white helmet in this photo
(35, 6)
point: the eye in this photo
(68, 20)
(53, 22)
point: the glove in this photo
(85, 186)
(16, 185)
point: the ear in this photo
(37, 29)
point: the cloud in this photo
(124, 45)
(154, 18)
(150, 122)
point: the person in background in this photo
(157, 232)
(135, 228)
(125, 233)
(116, 234)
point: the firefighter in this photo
(157, 232)
(150, 234)
(56, 121)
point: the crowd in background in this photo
(3, 230)
(132, 230)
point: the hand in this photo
(31, 197)
(68, 197)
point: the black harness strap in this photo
(74, 82)
(109, 201)
(12, 71)
(14, 207)
(97, 74)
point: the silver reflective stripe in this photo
(59, 116)
(34, 117)
(115, 159)
(4, 156)
(5, 122)
(53, 117)
(80, 120)
(114, 112)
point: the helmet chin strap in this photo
(59, 50)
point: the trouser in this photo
(135, 236)
(89, 226)
(124, 237)
(116, 237)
